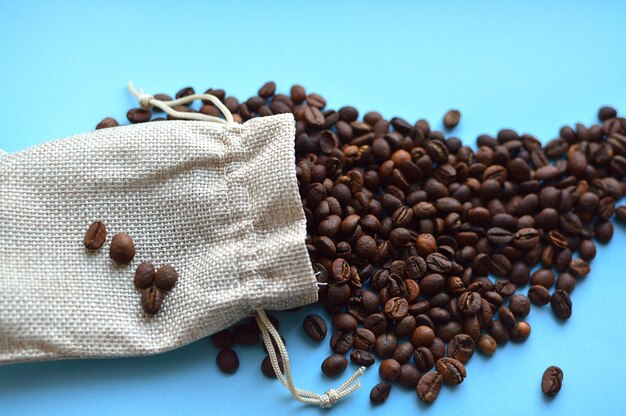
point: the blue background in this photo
(527, 65)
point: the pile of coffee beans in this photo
(423, 247)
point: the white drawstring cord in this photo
(147, 101)
(325, 400)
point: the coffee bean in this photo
(246, 334)
(380, 393)
(138, 115)
(579, 268)
(364, 339)
(453, 371)
(144, 276)
(487, 344)
(122, 248)
(423, 358)
(452, 118)
(429, 386)
(520, 331)
(561, 304)
(166, 277)
(315, 327)
(107, 123)
(389, 369)
(403, 353)
(362, 358)
(223, 339)
(469, 303)
(519, 305)
(151, 300)
(341, 342)
(552, 381)
(95, 236)
(539, 295)
(461, 347)
(409, 376)
(396, 308)
(268, 370)
(227, 361)
(566, 282)
(344, 322)
(334, 365)
(386, 345)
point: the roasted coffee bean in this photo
(453, 371)
(409, 376)
(451, 118)
(341, 342)
(246, 334)
(423, 358)
(151, 300)
(552, 381)
(364, 339)
(526, 238)
(344, 322)
(566, 282)
(389, 369)
(499, 332)
(520, 331)
(362, 358)
(107, 123)
(122, 248)
(487, 344)
(223, 339)
(380, 393)
(519, 305)
(429, 386)
(386, 345)
(315, 327)
(469, 303)
(144, 276)
(334, 365)
(579, 268)
(543, 277)
(138, 115)
(403, 353)
(166, 277)
(461, 348)
(438, 263)
(539, 295)
(268, 370)
(561, 304)
(396, 308)
(422, 336)
(227, 361)
(95, 236)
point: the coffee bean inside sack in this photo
(427, 250)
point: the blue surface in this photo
(525, 65)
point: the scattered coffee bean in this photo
(151, 300)
(144, 276)
(453, 371)
(315, 327)
(227, 361)
(96, 236)
(362, 358)
(429, 386)
(552, 381)
(452, 118)
(334, 365)
(166, 278)
(389, 369)
(268, 370)
(106, 123)
(122, 248)
(380, 393)
(561, 304)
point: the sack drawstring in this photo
(147, 101)
(325, 400)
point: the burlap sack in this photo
(218, 202)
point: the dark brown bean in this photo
(552, 381)
(227, 361)
(429, 386)
(334, 365)
(95, 236)
(122, 248)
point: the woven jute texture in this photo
(219, 203)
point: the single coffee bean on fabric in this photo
(151, 300)
(552, 381)
(95, 236)
(166, 277)
(122, 248)
(227, 361)
(144, 275)
(380, 392)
